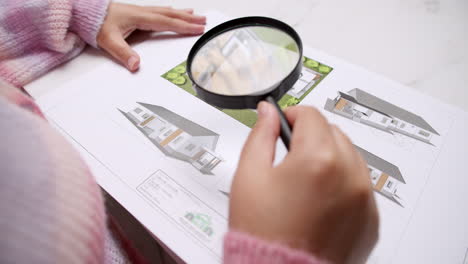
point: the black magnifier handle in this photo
(285, 132)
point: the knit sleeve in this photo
(38, 35)
(87, 18)
(51, 206)
(243, 248)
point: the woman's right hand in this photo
(318, 199)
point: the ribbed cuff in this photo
(243, 248)
(88, 16)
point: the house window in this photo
(389, 184)
(212, 164)
(384, 120)
(190, 147)
(137, 110)
(205, 158)
(423, 133)
(402, 125)
(148, 130)
(145, 115)
(395, 122)
(168, 132)
(178, 139)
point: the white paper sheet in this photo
(186, 208)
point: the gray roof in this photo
(382, 106)
(329, 105)
(179, 121)
(381, 164)
(352, 99)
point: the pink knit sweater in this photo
(51, 207)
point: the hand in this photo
(318, 199)
(123, 19)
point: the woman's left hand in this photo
(123, 19)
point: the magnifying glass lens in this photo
(243, 61)
(246, 60)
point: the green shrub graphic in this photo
(178, 76)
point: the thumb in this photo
(259, 149)
(119, 49)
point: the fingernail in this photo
(190, 10)
(132, 63)
(197, 29)
(263, 109)
(202, 20)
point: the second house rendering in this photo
(176, 136)
(370, 110)
(385, 176)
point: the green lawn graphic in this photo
(178, 76)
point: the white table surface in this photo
(420, 43)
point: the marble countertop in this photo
(420, 43)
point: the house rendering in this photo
(176, 136)
(368, 109)
(306, 80)
(385, 176)
(239, 38)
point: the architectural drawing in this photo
(365, 108)
(384, 175)
(176, 136)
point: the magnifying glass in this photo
(244, 61)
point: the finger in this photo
(183, 14)
(346, 149)
(344, 145)
(310, 129)
(159, 22)
(259, 149)
(363, 185)
(351, 158)
(188, 10)
(119, 49)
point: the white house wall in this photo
(375, 175)
(207, 161)
(303, 84)
(189, 147)
(138, 113)
(411, 130)
(393, 185)
(208, 142)
(178, 144)
(157, 125)
(360, 108)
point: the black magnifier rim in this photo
(245, 101)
